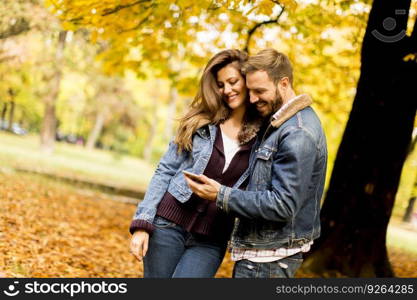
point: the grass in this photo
(402, 236)
(74, 161)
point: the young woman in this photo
(175, 232)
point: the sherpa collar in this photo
(290, 108)
(249, 131)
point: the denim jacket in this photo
(282, 203)
(169, 177)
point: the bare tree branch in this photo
(136, 27)
(213, 6)
(107, 12)
(257, 25)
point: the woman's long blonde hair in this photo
(208, 106)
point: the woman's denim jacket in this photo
(169, 177)
(282, 203)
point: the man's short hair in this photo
(274, 63)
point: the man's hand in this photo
(139, 244)
(207, 190)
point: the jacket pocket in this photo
(264, 153)
(262, 169)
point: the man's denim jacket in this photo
(282, 203)
(169, 177)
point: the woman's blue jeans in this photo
(176, 253)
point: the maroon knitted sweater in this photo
(198, 215)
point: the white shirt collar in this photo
(282, 108)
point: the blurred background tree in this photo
(373, 150)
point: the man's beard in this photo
(276, 104)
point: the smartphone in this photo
(192, 176)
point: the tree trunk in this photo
(48, 130)
(367, 169)
(3, 112)
(11, 116)
(172, 105)
(97, 129)
(147, 152)
(148, 147)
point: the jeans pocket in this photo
(291, 266)
(161, 222)
(245, 269)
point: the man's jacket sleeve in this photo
(292, 171)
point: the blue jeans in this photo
(283, 268)
(175, 253)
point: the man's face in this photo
(263, 93)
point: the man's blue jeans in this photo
(283, 268)
(174, 252)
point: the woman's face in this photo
(232, 86)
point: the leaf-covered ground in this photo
(49, 229)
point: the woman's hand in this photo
(208, 189)
(139, 244)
